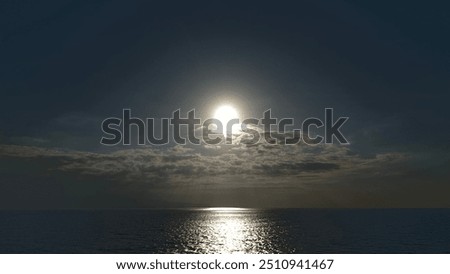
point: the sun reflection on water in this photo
(225, 209)
(227, 230)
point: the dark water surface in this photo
(226, 231)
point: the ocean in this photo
(226, 230)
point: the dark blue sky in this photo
(67, 65)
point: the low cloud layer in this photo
(179, 164)
(230, 175)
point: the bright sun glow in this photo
(224, 114)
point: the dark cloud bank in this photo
(259, 176)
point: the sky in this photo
(68, 65)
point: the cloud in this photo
(179, 164)
(229, 175)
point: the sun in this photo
(224, 114)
